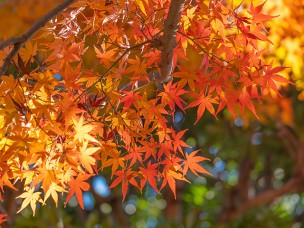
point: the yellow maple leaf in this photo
(28, 52)
(30, 197)
(82, 131)
(85, 156)
(140, 4)
(52, 191)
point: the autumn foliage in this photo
(97, 88)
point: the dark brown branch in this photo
(19, 41)
(293, 185)
(289, 138)
(293, 145)
(168, 39)
(268, 196)
(245, 169)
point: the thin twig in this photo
(210, 55)
(108, 69)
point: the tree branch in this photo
(289, 138)
(168, 39)
(110, 67)
(293, 185)
(166, 46)
(19, 41)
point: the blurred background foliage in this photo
(257, 165)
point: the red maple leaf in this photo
(256, 13)
(203, 102)
(271, 76)
(124, 177)
(171, 96)
(150, 174)
(129, 98)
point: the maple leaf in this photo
(121, 178)
(77, 186)
(70, 76)
(30, 197)
(4, 180)
(52, 191)
(68, 109)
(137, 68)
(114, 161)
(71, 53)
(96, 101)
(256, 13)
(229, 99)
(82, 131)
(152, 57)
(245, 101)
(165, 148)
(28, 52)
(85, 156)
(129, 98)
(150, 174)
(141, 4)
(45, 176)
(171, 95)
(172, 172)
(169, 177)
(219, 26)
(191, 163)
(203, 102)
(177, 142)
(124, 177)
(186, 19)
(105, 56)
(134, 154)
(271, 76)
(149, 148)
(186, 78)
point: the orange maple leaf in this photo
(171, 96)
(169, 177)
(124, 177)
(150, 174)
(171, 173)
(77, 186)
(28, 52)
(191, 163)
(256, 13)
(4, 181)
(177, 142)
(105, 56)
(203, 102)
